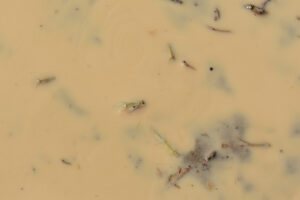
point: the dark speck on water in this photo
(296, 129)
(92, 2)
(136, 160)
(218, 79)
(96, 40)
(33, 169)
(248, 187)
(281, 151)
(233, 127)
(292, 165)
(138, 163)
(95, 134)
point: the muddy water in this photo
(223, 124)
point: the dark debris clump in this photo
(214, 147)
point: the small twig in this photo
(265, 3)
(186, 64)
(255, 144)
(172, 54)
(69, 102)
(159, 172)
(165, 142)
(45, 81)
(210, 156)
(218, 30)
(66, 162)
(217, 14)
(210, 185)
(233, 146)
(173, 178)
(177, 1)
